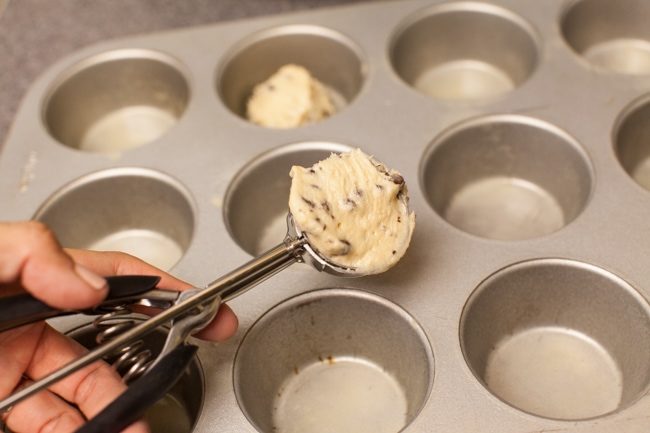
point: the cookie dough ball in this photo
(353, 211)
(289, 98)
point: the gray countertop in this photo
(36, 33)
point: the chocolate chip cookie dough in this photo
(353, 210)
(289, 98)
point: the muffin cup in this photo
(333, 359)
(612, 39)
(506, 177)
(329, 56)
(464, 51)
(135, 210)
(559, 339)
(117, 100)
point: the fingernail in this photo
(94, 280)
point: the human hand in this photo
(31, 258)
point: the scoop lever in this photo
(23, 309)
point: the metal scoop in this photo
(189, 312)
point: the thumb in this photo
(31, 255)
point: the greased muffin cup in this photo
(521, 130)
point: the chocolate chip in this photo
(345, 249)
(325, 205)
(397, 179)
(310, 203)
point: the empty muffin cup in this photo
(613, 38)
(257, 200)
(632, 141)
(117, 101)
(333, 360)
(135, 210)
(329, 56)
(179, 409)
(559, 339)
(464, 51)
(506, 177)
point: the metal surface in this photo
(558, 141)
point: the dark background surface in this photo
(34, 34)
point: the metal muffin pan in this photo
(521, 130)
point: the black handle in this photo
(133, 403)
(124, 286)
(22, 309)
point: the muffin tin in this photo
(521, 128)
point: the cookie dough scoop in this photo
(348, 216)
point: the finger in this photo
(221, 328)
(47, 412)
(117, 263)
(18, 346)
(48, 350)
(91, 388)
(43, 412)
(30, 254)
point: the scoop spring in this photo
(129, 361)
